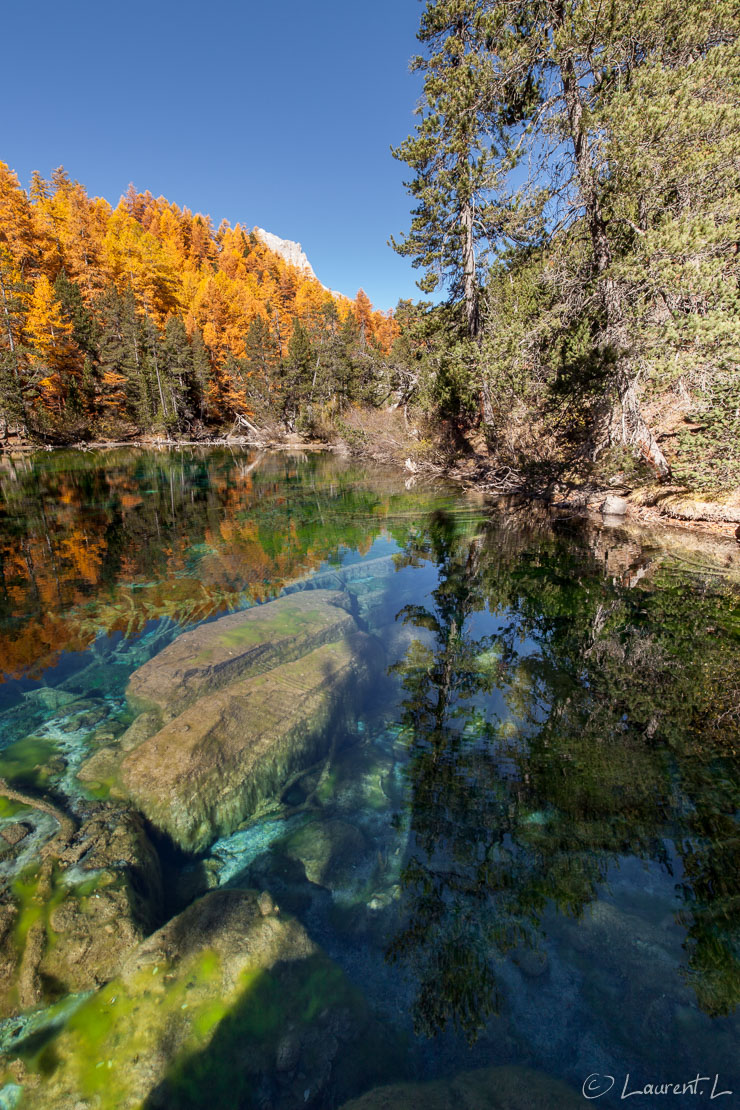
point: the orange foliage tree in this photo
(127, 271)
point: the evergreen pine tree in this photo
(456, 153)
(297, 373)
(178, 374)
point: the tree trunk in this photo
(470, 284)
(14, 361)
(472, 302)
(635, 430)
(486, 406)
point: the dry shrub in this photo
(394, 435)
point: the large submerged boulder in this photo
(230, 710)
(219, 652)
(506, 1088)
(229, 1004)
(209, 768)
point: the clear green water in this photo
(524, 850)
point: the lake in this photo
(325, 786)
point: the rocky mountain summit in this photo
(291, 252)
(287, 249)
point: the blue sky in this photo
(277, 115)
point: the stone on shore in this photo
(614, 505)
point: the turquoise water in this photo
(521, 849)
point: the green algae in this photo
(248, 635)
(11, 809)
(287, 622)
(268, 1003)
(37, 892)
(126, 1019)
(99, 790)
(27, 761)
(30, 908)
(206, 1020)
(327, 787)
(115, 1024)
(219, 1028)
(34, 904)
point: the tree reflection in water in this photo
(559, 719)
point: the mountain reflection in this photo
(559, 719)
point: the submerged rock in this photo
(508, 1088)
(229, 1004)
(532, 962)
(218, 653)
(13, 834)
(330, 851)
(69, 918)
(381, 567)
(48, 697)
(211, 767)
(630, 966)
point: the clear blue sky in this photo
(280, 115)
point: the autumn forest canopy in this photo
(144, 317)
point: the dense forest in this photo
(575, 169)
(574, 175)
(143, 318)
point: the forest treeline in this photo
(575, 172)
(574, 175)
(145, 318)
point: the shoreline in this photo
(665, 506)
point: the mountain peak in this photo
(287, 249)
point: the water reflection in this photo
(535, 818)
(560, 720)
(107, 542)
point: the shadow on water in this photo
(299, 1035)
(560, 721)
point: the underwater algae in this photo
(202, 1005)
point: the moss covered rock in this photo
(508, 1088)
(69, 918)
(211, 767)
(229, 1004)
(217, 653)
